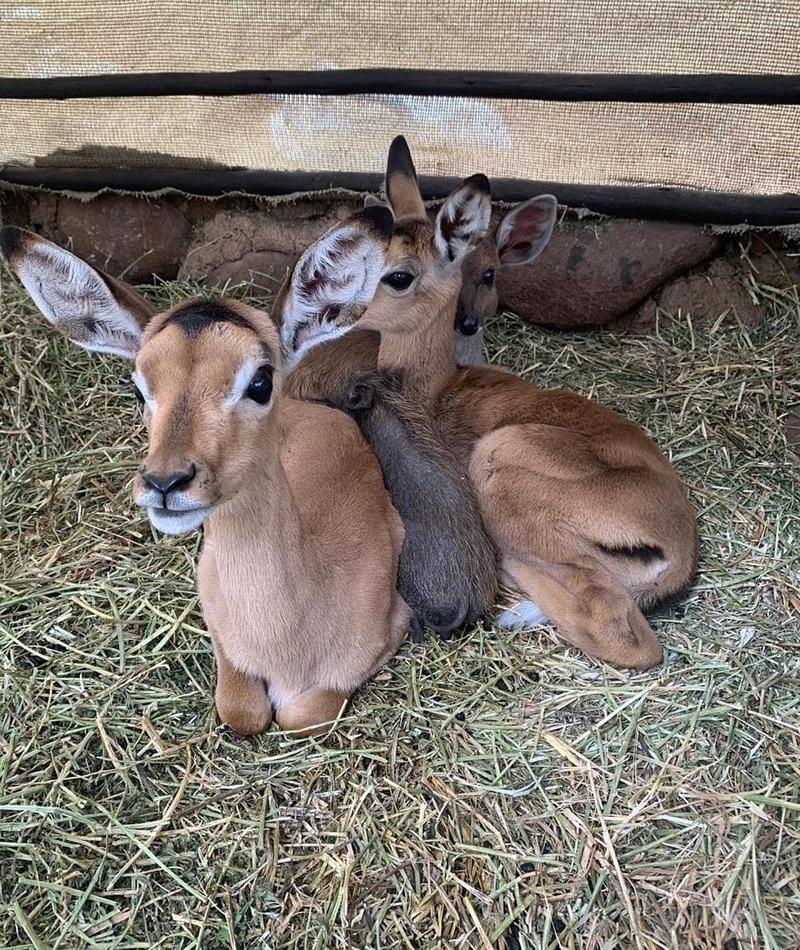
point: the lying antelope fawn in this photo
(448, 565)
(520, 238)
(297, 577)
(591, 521)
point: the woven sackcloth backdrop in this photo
(734, 148)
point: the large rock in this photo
(594, 270)
(260, 246)
(717, 291)
(126, 236)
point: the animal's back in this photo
(342, 501)
(354, 535)
(482, 399)
(448, 567)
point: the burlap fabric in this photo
(743, 149)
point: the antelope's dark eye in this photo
(399, 279)
(488, 277)
(260, 388)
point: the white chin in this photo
(177, 522)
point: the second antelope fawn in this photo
(591, 521)
(520, 238)
(297, 577)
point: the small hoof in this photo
(522, 616)
(245, 722)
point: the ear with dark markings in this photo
(340, 270)
(93, 310)
(524, 232)
(463, 219)
(402, 190)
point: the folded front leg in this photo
(311, 713)
(241, 700)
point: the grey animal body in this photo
(448, 564)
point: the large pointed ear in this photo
(402, 190)
(524, 232)
(334, 281)
(463, 219)
(90, 308)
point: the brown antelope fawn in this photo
(297, 577)
(591, 521)
(520, 238)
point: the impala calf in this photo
(590, 520)
(301, 542)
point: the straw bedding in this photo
(499, 791)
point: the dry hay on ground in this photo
(501, 791)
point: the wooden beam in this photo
(747, 89)
(656, 203)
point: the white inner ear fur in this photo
(341, 269)
(77, 301)
(318, 333)
(465, 218)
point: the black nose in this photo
(467, 324)
(169, 483)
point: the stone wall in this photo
(595, 272)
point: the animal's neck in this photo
(425, 354)
(259, 531)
